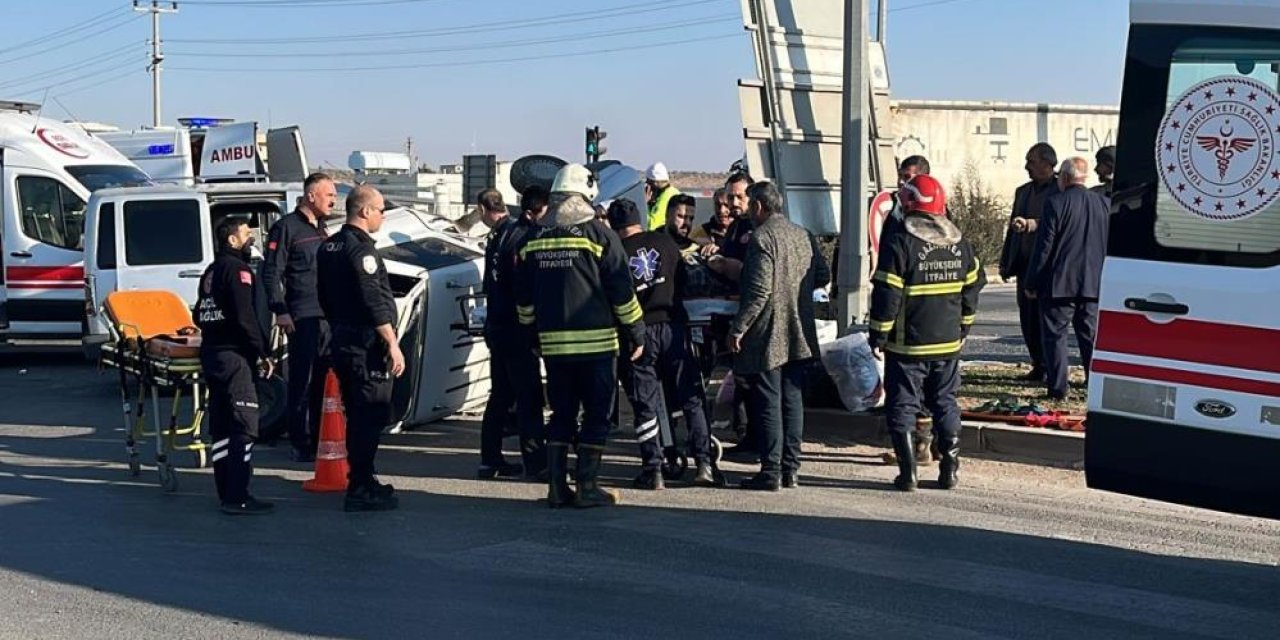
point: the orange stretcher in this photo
(155, 346)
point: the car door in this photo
(163, 241)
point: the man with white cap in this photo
(658, 192)
(573, 289)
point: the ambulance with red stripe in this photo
(1184, 393)
(47, 171)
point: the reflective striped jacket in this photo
(574, 286)
(925, 289)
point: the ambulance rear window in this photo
(1198, 177)
(159, 232)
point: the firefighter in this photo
(514, 375)
(289, 276)
(355, 293)
(657, 271)
(923, 303)
(232, 345)
(573, 288)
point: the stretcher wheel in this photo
(135, 465)
(168, 478)
(717, 451)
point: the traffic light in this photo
(594, 150)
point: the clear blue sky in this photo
(667, 90)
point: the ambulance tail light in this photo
(1139, 398)
(90, 299)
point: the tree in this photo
(981, 216)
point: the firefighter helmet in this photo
(923, 193)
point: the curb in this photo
(980, 439)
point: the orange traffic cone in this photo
(331, 458)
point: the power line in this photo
(89, 22)
(470, 63)
(94, 85)
(484, 27)
(272, 4)
(923, 5)
(104, 30)
(475, 47)
(111, 56)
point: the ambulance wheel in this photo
(135, 465)
(717, 451)
(168, 478)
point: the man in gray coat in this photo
(774, 334)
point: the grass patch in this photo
(985, 382)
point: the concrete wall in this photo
(996, 136)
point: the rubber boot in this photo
(558, 492)
(534, 456)
(924, 441)
(949, 448)
(590, 494)
(906, 454)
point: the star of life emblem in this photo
(1216, 150)
(645, 264)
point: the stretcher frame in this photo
(152, 373)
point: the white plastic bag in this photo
(854, 370)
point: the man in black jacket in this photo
(923, 302)
(573, 292)
(515, 380)
(231, 347)
(355, 292)
(289, 275)
(1066, 270)
(1028, 204)
(657, 271)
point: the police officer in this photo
(355, 294)
(515, 378)
(231, 345)
(923, 302)
(289, 275)
(573, 289)
(657, 271)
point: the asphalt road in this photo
(996, 335)
(1017, 551)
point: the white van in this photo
(1184, 394)
(161, 237)
(47, 172)
(205, 150)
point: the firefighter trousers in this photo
(929, 384)
(585, 384)
(666, 363)
(360, 362)
(233, 421)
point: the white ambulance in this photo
(47, 172)
(1184, 396)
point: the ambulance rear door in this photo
(1184, 393)
(164, 240)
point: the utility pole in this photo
(408, 150)
(156, 56)
(852, 278)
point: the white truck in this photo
(47, 172)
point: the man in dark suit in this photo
(1028, 205)
(1066, 269)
